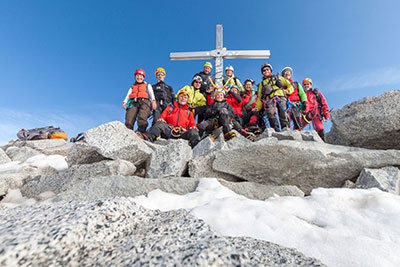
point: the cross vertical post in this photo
(219, 62)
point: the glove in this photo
(327, 114)
(279, 83)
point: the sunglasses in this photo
(306, 83)
(264, 70)
(160, 74)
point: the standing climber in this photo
(205, 78)
(317, 108)
(274, 97)
(297, 99)
(137, 102)
(163, 93)
(230, 79)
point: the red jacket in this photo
(236, 105)
(179, 116)
(313, 104)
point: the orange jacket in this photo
(139, 90)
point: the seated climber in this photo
(218, 114)
(251, 118)
(317, 108)
(176, 121)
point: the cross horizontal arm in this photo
(190, 55)
(230, 54)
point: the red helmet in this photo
(140, 71)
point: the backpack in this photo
(319, 100)
(47, 132)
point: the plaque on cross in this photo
(219, 54)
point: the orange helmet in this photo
(160, 70)
(307, 80)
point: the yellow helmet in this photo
(207, 64)
(183, 91)
(160, 70)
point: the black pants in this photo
(223, 119)
(161, 129)
(295, 115)
(272, 106)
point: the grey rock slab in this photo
(205, 147)
(125, 186)
(372, 122)
(66, 179)
(9, 181)
(311, 136)
(21, 153)
(203, 167)
(48, 146)
(102, 168)
(307, 165)
(3, 157)
(288, 135)
(169, 160)
(16, 179)
(117, 232)
(262, 191)
(274, 255)
(132, 186)
(113, 140)
(386, 179)
(82, 153)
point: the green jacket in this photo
(195, 97)
(275, 90)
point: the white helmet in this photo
(229, 67)
(285, 69)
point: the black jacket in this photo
(163, 93)
(206, 82)
(213, 110)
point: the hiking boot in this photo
(142, 136)
(229, 135)
(251, 136)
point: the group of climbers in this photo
(232, 106)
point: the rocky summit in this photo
(84, 214)
(117, 232)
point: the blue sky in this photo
(70, 63)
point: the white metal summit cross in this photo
(219, 54)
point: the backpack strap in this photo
(253, 96)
